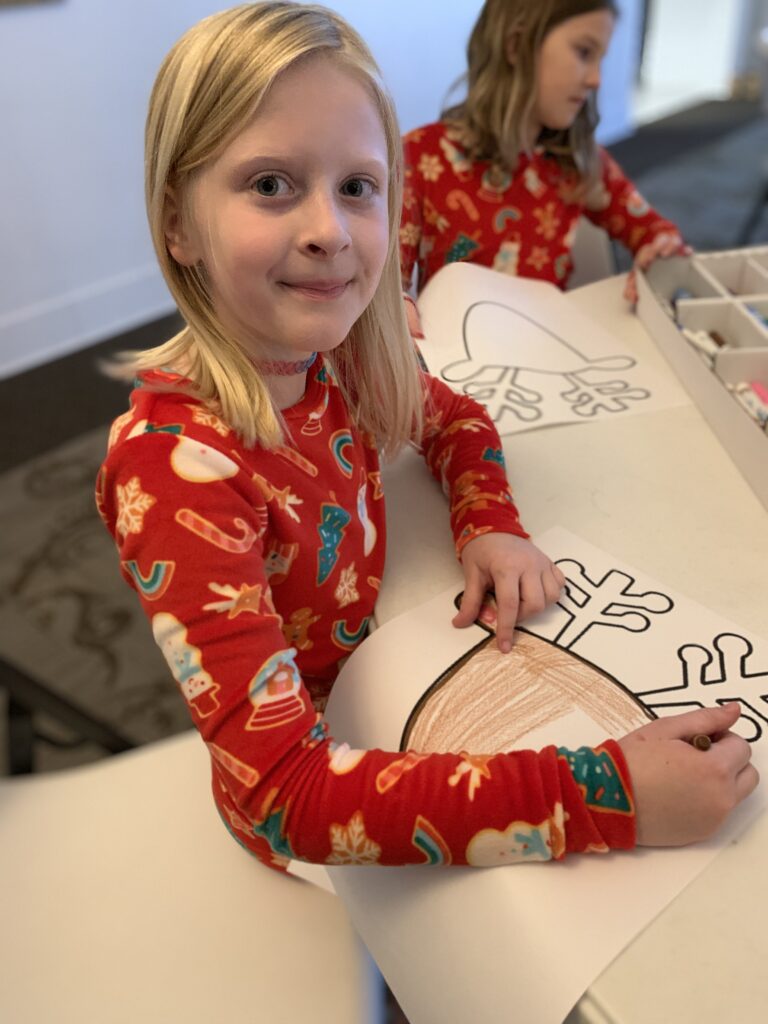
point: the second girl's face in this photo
(290, 221)
(568, 67)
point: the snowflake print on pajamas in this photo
(351, 845)
(346, 591)
(132, 504)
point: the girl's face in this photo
(568, 68)
(290, 221)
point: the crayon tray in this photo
(725, 293)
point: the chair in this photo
(125, 900)
(592, 255)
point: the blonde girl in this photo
(243, 486)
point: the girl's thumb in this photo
(717, 719)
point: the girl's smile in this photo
(319, 290)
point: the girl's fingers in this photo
(471, 600)
(532, 594)
(703, 720)
(733, 750)
(746, 782)
(508, 606)
(551, 584)
(670, 247)
(413, 318)
(630, 288)
(662, 247)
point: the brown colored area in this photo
(488, 701)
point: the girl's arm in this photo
(619, 208)
(463, 449)
(189, 520)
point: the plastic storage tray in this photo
(728, 293)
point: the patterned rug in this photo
(67, 618)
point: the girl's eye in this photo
(358, 188)
(270, 185)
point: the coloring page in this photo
(617, 650)
(525, 352)
(613, 654)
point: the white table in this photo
(124, 900)
(659, 492)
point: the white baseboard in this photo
(54, 327)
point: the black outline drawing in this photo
(728, 657)
(592, 602)
(450, 672)
(579, 596)
(586, 391)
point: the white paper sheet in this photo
(529, 355)
(524, 942)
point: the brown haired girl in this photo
(503, 178)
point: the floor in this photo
(28, 418)
(649, 105)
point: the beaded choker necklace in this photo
(281, 368)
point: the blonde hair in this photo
(209, 86)
(501, 95)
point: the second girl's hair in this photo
(501, 96)
(209, 86)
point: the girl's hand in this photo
(524, 580)
(683, 795)
(663, 245)
(413, 317)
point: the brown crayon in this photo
(701, 741)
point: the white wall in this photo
(694, 43)
(619, 74)
(76, 264)
(750, 55)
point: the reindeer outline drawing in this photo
(485, 702)
(543, 369)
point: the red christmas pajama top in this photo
(522, 224)
(259, 571)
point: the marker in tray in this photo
(758, 315)
(752, 396)
(680, 293)
(707, 343)
(675, 297)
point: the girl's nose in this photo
(325, 231)
(593, 77)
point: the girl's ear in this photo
(177, 239)
(512, 44)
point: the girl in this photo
(243, 487)
(503, 178)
